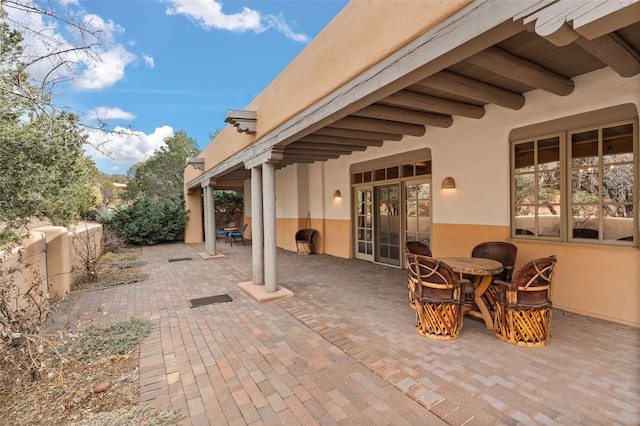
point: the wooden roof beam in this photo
(473, 89)
(327, 146)
(384, 126)
(415, 100)
(507, 65)
(302, 159)
(403, 115)
(338, 140)
(357, 134)
(315, 152)
(614, 52)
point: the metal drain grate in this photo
(180, 259)
(209, 300)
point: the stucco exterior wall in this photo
(402, 23)
(476, 154)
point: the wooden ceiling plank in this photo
(406, 98)
(384, 126)
(614, 52)
(403, 115)
(507, 65)
(473, 89)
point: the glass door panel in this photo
(387, 219)
(364, 223)
(418, 212)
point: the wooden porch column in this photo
(269, 215)
(209, 219)
(257, 226)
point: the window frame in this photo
(572, 126)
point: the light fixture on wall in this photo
(337, 194)
(448, 183)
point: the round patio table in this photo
(483, 271)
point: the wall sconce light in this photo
(448, 183)
(337, 194)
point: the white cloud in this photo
(208, 14)
(101, 66)
(126, 147)
(109, 113)
(148, 60)
(105, 71)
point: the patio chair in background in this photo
(523, 306)
(438, 297)
(504, 253)
(221, 233)
(238, 235)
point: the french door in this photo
(387, 224)
(386, 216)
(364, 223)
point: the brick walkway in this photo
(344, 350)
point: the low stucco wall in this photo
(85, 243)
(58, 260)
(25, 270)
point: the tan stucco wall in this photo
(328, 240)
(194, 231)
(476, 154)
(595, 280)
(314, 73)
(59, 260)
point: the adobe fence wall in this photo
(47, 262)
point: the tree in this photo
(57, 59)
(161, 176)
(43, 171)
(111, 188)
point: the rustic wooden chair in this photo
(414, 247)
(523, 306)
(438, 297)
(504, 253)
(417, 247)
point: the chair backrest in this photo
(501, 251)
(436, 279)
(305, 234)
(417, 247)
(241, 230)
(534, 281)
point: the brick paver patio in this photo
(344, 350)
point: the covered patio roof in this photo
(454, 70)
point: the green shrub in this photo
(147, 221)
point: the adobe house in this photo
(531, 107)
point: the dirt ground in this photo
(96, 391)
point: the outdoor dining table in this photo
(227, 234)
(483, 271)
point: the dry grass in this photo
(91, 377)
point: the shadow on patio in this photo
(344, 350)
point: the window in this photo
(577, 185)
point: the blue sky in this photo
(178, 65)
